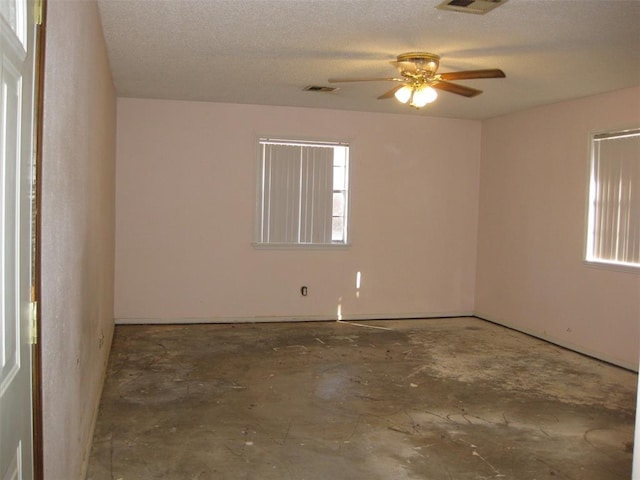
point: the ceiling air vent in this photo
(479, 7)
(317, 88)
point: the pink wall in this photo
(185, 202)
(77, 232)
(533, 197)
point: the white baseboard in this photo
(561, 343)
(294, 318)
(106, 346)
(371, 316)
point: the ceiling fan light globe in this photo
(403, 94)
(423, 96)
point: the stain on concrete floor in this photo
(437, 399)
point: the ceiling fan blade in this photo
(390, 93)
(455, 88)
(469, 74)
(388, 79)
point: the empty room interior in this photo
(447, 299)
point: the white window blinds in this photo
(614, 217)
(296, 195)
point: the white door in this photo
(16, 182)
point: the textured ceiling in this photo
(266, 51)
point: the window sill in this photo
(300, 246)
(613, 266)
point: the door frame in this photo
(38, 116)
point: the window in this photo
(302, 193)
(613, 235)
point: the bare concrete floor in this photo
(438, 399)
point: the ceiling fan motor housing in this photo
(420, 63)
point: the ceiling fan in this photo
(419, 79)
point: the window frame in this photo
(590, 258)
(302, 141)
